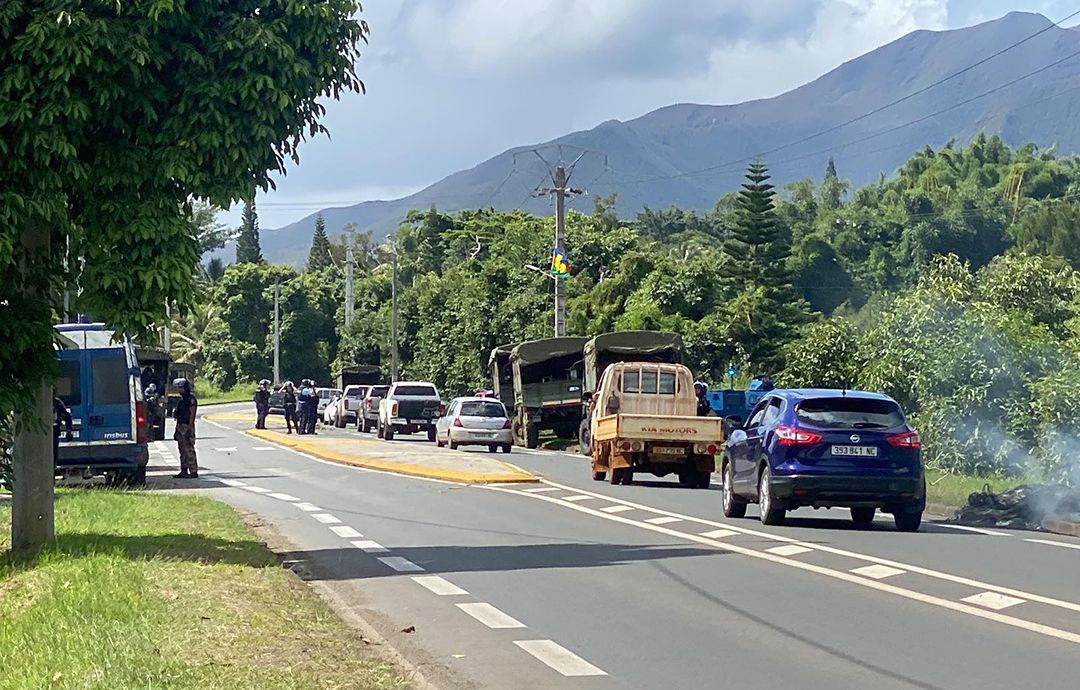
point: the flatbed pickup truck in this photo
(644, 419)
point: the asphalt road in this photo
(575, 583)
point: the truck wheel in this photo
(378, 429)
(599, 476)
(688, 478)
(704, 480)
(623, 475)
(138, 477)
(585, 438)
(431, 434)
(734, 507)
(388, 432)
(339, 421)
(771, 514)
(532, 436)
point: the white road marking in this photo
(789, 550)
(993, 600)
(539, 490)
(263, 448)
(325, 518)
(438, 585)
(664, 520)
(369, 546)
(579, 497)
(226, 450)
(958, 607)
(937, 574)
(285, 497)
(559, 658)
(490, 616)
(402, 565)
(977, 530)
(616, 509)
(345, 532)
(233, 482)
(877, 572)
(718, 534)
(257, 489)
(1051, 542)
(308, 507)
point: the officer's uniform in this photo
(262, 406)
(309, 409)
(61, 419)
(185, 434)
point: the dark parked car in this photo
(826, 448)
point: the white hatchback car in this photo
(475, 422)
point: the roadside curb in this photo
(513, 475)
(1069, 529)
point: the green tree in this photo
(248, 250)
(214, 269)
(209, 233)
(320, 256)
(1052, 229)
(833, 189)
(113, 116)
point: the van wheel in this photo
(138, 477)
(771, 514)
(734, 507)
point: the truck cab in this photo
(645, 419)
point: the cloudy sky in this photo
(453, 82)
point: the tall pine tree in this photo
(319, 257)
(248, 250)
(758, 249)
(833, 188)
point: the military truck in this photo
(359, 375)
(626, 346)
(645, 420)
(502, 374)
(547, 385)
(154, 368)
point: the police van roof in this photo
(88, 336)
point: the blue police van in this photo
(99, 383)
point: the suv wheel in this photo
(863, 516)
(771, 514)
(908, 520)
(734, 507)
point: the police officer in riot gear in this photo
(184, 414)
(308, 400)
(262, 403)
(704, 409)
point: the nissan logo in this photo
(855, 438)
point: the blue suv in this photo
(825, 448)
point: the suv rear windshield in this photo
(417, 391)
(849, 413)
(482, 409)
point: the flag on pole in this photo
(560, 266)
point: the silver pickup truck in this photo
(409, 407)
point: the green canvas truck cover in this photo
(500, 372)
(650, 346)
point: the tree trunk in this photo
(32, 523)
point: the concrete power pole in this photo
(277, 333)
(348, 287)
(394, 323)
(560, 179)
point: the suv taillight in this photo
(141, 435)
(792, 436)
(908, 439)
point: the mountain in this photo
(652, 160)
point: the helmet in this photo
(700, 387)
(264, 382)
(183, 384)
(151, 389)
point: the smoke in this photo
(1062, 462)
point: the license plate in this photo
(668, 450)
(855, 451)
(477, 434)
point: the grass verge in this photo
(162, 591)
(208, 394)
(953, 490)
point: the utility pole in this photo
(277, 333)
(348, 287)
(394, 323)
(560, 245)
(166, 334)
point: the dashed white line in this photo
(789, 550)
(233, 482)
(665, 520)
(325, 518)
(579, 497)
(257, 489)
(231, 449)
(369, 546)
(1051, 542)
(345, 531)
(877, 572)
(402, 565)
(539, 490)
(616, 509)
(308, 507)
(438, 585)
(284, 497)
(559, 658)
(993, 600)
(263, 448)
(718, 534)
(977, 530)
(490, 616)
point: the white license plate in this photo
(478, 434)
(855, 451)
(668, 450)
